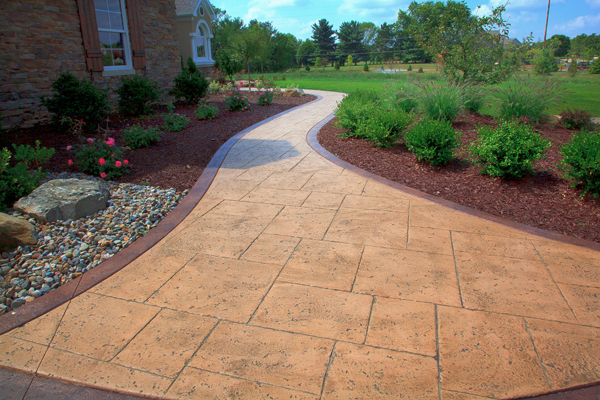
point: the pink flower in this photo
(102, 161)
(103, 175)
(243, 70)
(126, 162)
(230, 93)
(90, 140)
(110, 142)
(70, 162)
(117, 163)
(237, 98)
(69, 147)
(112, 155)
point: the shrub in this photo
(226, 88)
(400, 95)
(420, 71)
(594, 67)
(190, 85)
(355, 108)
(227, 63)
(214, 87)
(206, 111)
(136, 94)
(572, 70)
(307, 68)
(78, 100)
(24, 175)
(473, 98)
(101, 158)
(525, 98)
(336, 66)
(581, 160)
(384, 127)
(437, 101)
(236, 102)
(174, 122)
(544, 63)
(135, 136)
(508, 151)
(432, 141)
(265, 98)
(409, 67)
(366, 67)
(575, 119)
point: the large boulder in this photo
(293, 93)
(64, 199)
(15, 232)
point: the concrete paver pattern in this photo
(296, 278)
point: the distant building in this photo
(194, 25)
(505, 39)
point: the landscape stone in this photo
(61, 199)
(15, 232)
(293, 93)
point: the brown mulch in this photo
(179, 159)
(544, 200)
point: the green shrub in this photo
(307, 68)
(174, 122)
(355, 108)
(336, 66)
(438, 101)
(384, 127)
(473, 98)
(575, 119)
(508, 151)
(420, 71)
(136, 94)
(594, 67)
(525, 98)
(400, 95)
(409, 67)
(572, 70)
(77, 100)
(265, 98)
(214, 87)
(101, 158)
(135, 136)
(24, 175)
(366, 67)
(432, 141)
(237, 102)
(190, 85)
(581, 160)
(206, 111)
(544, 63)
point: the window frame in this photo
(126, 40)
(207, 59)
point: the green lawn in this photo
(581, 92)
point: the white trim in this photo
(126, 44)
(117, 72)
(211, 11)
(207, 45)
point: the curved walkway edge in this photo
(298, 277)
(113, 265)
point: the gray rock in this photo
(61, 199)
(15, 232)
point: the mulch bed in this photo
(544, 200)
(180, 157)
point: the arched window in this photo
(201, 43)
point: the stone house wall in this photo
(39, 39)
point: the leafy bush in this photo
(265, 98)
(581, 160)
(525, 98)
(409, 67)
(508, 151)
(236, 102)
(174, 122)
(575, 119)
(384, 127)
(366, 67)
(77, 100)
(206, 111)
(190, 85)
(420, 71)
(336, 65)
(572, 70)
(214, 87)
(101, 158)
(135, 136)
(437, 101)
(136, 94)
(25, 175)
(544, 63)
(227, 63)
(307, 68)
(432, 141)
(354, 109)
(594, 67)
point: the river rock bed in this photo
(67, 249)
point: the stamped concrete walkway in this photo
(295, 278)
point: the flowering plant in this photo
(265, 98)
(236, 102)
(99, 157)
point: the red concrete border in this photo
(316, 146)
(68, 291)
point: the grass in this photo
(580, 92)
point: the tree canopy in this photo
(324, 37)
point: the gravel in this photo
(69, 248)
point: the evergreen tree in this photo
(351, 38)
(324, 38)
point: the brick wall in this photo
(39, 39)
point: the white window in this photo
(201, 43)
(114, 36)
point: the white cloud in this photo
(593, 3)
(512, 4)
(265, 10)
(579, 24)
(369, 9)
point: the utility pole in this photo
(546, 30)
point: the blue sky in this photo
(568, 17)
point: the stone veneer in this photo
(38, 41)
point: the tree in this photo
(324, 38)
(470, 46)
(369, 38)
(263, 33)
(559, 45)
(595, 67)
(283, 56)
(246, 45)
(544, 63)
(572, 70)
(225, 32)
(386, 43)
(351, 38)
(306, 49)
(350, 60)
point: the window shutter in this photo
(89, 32)
(135, 34)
